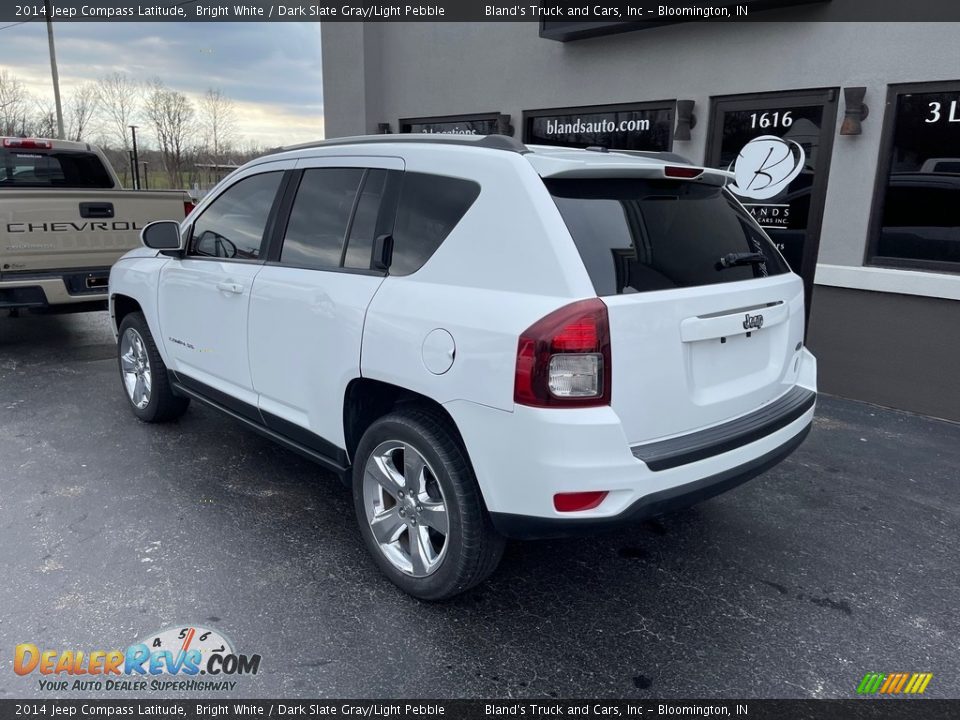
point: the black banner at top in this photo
(562, 19)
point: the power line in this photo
(22, 22)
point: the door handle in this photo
(230, 287)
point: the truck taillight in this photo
(188, 206)
(27, 143)
(563, 359)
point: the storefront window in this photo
(482, 124)
(636, 126)
(917, 221)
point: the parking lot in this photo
(840, 561)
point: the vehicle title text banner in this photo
(228, 709)
(563, 19)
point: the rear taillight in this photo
(188, 205)
(27, 143)
(563, 360)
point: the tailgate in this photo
(706, 320)
(686, 361)
(71, 229)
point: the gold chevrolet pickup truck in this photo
(64, 220)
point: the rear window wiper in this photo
(743, 258)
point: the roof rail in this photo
(493, 142)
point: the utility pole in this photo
(136, 158)
(53, 69)
(146, 181)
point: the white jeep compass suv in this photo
(484, 339)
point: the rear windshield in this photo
(39, 168)
(643, 235)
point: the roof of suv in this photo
(547, 160)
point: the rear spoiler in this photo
(692, 173)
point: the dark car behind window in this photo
(58, 168)
(921, 220)
(641, 235)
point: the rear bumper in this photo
(658, 503)
(523, 458)
(82, 288)
(713, 441)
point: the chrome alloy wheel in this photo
(405, 508)
(135, 368)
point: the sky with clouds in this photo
(270, 70)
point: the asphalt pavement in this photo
(844, 559)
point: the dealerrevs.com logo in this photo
(171, 659)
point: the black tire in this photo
(163, 405)
(473, 548)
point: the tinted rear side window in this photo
(364, 227)
(32, 168)
(643, 235)
(318, 220)
(430, 207)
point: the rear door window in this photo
(39, 168)
(642, 235)
(321, 213)
(363, 229)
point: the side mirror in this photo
(161, 235)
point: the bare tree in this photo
(81, 108)
(118, 97)
(171, 118)
(14, 105)
(250, 149)
(218, 119)
(43, 122)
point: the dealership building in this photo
(844, 139)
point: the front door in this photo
(204, 297)
(778, 146)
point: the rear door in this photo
(204, 298)
(705, 317)
(310, 301)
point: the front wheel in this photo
(144, 375)
(419, 507)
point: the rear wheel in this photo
(144, 375)
(419, 507)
